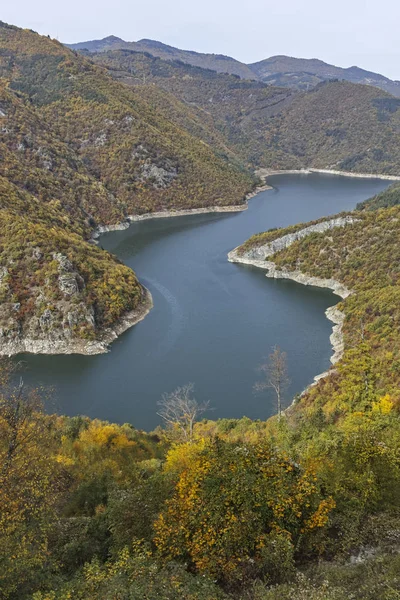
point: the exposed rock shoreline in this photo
(164, 214)
(265, 173)
(170, 213)
(256, 257)
(60, 345)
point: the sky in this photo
(343, 32)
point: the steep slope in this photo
(343, 126)
(80, 150)
(238, 109)
(362, 255)
(216, 62)
(337, 125)
(281, 71)
(386, 199)
(58, 293)
(131, 147)
(304, 73)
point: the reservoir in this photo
(213, 321)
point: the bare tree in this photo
(275, 376)
(180, 409)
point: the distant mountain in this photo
(303, 73)
(216, 62)
(90, 140)
(336, 125)
(282, 71)
(108, 43)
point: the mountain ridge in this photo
(335, 125)
(217, 62)
(299, 73)
(276, 68)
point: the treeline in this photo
(246, 509)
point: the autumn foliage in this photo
(233, 503)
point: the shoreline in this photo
(77, 346)
(332, 313)
(165, 214)
(264, 173)
(107, 336)
(257, 258)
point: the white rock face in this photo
(336, 316)
(262, 252)
(3, 275)
(159, 176)
(166, 214)
(69, 281)
(60, 343)
(272, 271)
(257, 258)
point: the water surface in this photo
(213, 321)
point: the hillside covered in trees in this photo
(80, 150)
(337, 125)
(305, 506)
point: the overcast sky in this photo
(342, 32)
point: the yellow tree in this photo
(30, 480)
(239, 510)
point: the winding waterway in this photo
(212, 321)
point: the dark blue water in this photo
(213, 322)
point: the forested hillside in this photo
(337, 125)
(80, 150)
(305, 506)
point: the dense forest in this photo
(78, 151)
(336, 125)
(89, 140)
(305, 506)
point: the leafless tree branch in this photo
(180, 409)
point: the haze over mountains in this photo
(283, 71)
